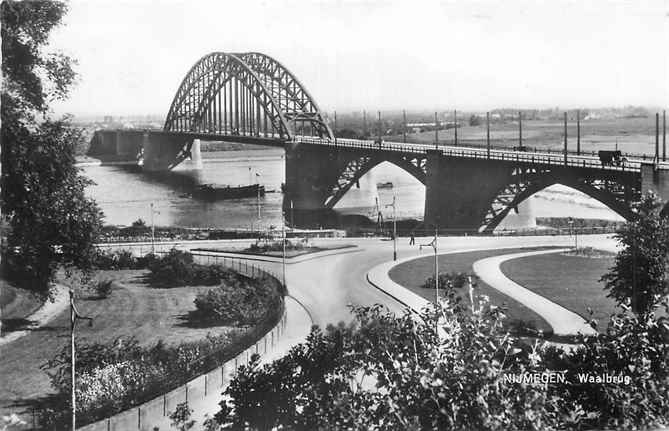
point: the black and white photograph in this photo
(345, 215)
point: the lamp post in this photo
(153, 230)
(573, 229)
(283, 248)
(394, 229)
(74, 315)
(433, 244)
(258, 196)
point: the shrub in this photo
(178, 269)
(239, 301)
(103, 288)
(454, 280)
(120, 259)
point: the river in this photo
(125, 194)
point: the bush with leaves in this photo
(120, 259)
(456, 280)
(446, 370)
(237, 301)
(103, 288)
(177, 268)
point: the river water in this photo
(125, 194)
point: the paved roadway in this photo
(326, 285)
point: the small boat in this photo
(386, 185)
(213, 192)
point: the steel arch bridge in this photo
(244, 94)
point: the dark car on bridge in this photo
(611, 158)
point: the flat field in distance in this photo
(633, 135)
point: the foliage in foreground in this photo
(393, 372)
(114, 376)
(51, 220)
(641, 270)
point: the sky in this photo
(352, 55)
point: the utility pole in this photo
(455, 120)
(565, 139)
(404, 129)
(657, 137)
(578, 132)
(364, 124)
(379, 112)
(520, 129)
(394, 229)
(335, 127)
(487, 134)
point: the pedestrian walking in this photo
(412, 239)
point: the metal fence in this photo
(475, 152)
(145, 416)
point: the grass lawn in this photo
(413, 274)
(571, 281)
(133, 308)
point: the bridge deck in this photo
(544, 158)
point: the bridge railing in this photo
(581, 161)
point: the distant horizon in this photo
(651, 110)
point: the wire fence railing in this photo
(214, 370)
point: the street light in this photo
(433, 244)
(573, 229)
(394, 229)
(74, 315)
(153, 230)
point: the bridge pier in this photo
(459, 192)
(164, 151)
(310, 175)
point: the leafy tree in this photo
(640, 275)
(51, 221)
(446, 370)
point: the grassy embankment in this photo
(412, 275)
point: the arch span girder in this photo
(247, 93)
(358, 167)
(616, 196)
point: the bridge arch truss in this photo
(244, 94)
(616, 193)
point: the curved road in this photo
(327, 285)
